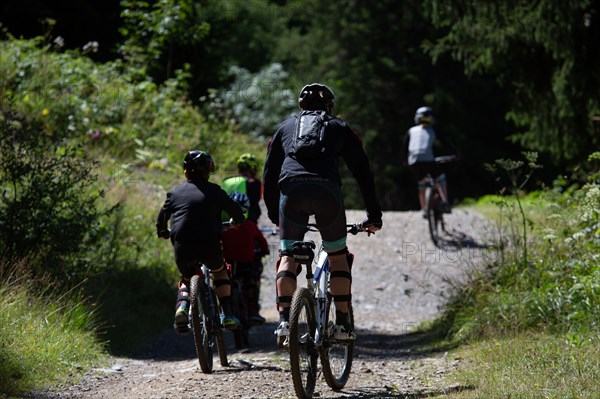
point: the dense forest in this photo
(501, 78)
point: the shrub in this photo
(47, 206)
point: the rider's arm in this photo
(358, 163)
(233, 209)
(162, 230)
(272, 170)
(254, 190)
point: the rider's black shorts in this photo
(189, 254)
(305, 196)
(421, 169)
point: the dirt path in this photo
(399, 280)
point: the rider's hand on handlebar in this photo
(372, 226)
(166, 233)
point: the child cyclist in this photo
(194, 211)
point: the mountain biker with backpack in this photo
(193, 210)
(417, 154)
(301, 179)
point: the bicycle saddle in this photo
(302, 251)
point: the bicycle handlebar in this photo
(353, 228)
(445, 159)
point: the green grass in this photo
(532, 365)
(45, 336)
(528, 325)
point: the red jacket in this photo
(238, 243)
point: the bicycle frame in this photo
(319, 284)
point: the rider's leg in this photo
(422, 186)
(443, 190)
(341, 289)
(223, 287)
(340, 280)
(285, 285)
(186, 263)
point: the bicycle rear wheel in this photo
(201, 323)
(303, 353)
(217, 330)
(434, 214)
(336, 356)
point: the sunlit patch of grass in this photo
(533, 365)
(45, 336)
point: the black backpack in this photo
(310, 135)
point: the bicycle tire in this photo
(218, 330)
(433, 214)
(336, 356)
(201, 323)
(303, 353)
(240, 336)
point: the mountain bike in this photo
(312, 323)
(205, 318)
(434, 203)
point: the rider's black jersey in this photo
(194, 209)
(340, 141)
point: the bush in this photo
(47, 207)
(549, 281)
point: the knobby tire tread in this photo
(199, 330)
(337, 382)
(432, 217)
(302, 302)
(218, 331)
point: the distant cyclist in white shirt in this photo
(418, 154)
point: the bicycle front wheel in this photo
(336, 356)
(303, 353)
(201, 323)
(434, 215)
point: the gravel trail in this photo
(400, 279)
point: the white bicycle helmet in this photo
(424, 115)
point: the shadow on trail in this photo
(369, 345)
(453, 239)
(172, 347)
(390, 392)
(380, 346)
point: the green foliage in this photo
(47, 208)
(42, 340)
(556, 287)
(257, 102)
(153, 30)
(515, 175)
(543, 51)
(137, 133)
(210, 35)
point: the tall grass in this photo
(532, 365)
(45, 334)
(532, 317)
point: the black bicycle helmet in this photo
(424, 115)
(197, 161)
(316, 96)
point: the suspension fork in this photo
(321, 281)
